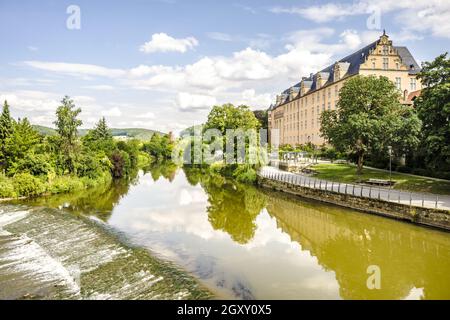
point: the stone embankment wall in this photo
(423, 216)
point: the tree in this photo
(6, 128)
(369, 117)
(433, 107)
(100, 138)
(20, 142)
(261, 115)
(228, 116)
(67, 125)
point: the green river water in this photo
(175, 233)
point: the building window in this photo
(323, 106)
(336, 90)
(329, 106)
(412, 84)
(397, 66)
(385, 63)
(398, 83)
(385, 50)
(329, 93)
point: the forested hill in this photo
(142, 134)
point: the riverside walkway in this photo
(416, 199)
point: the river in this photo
(235, 241)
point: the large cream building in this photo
(297, 110)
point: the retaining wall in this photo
(423, 216)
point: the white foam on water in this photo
(11, 217)
(32, 261)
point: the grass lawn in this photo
(347, 173)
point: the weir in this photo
(52, 254)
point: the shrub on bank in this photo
(245, 174)
(27, 185)
(6, 187)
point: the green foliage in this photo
(34, 164)
(20, 142)
(28, 185)
(6, 129)
(159, 146)
(63, 184)
(369, 117)
(433, 106)
(245, 173)
(6, 187)
(67, 125)
(329, 153)
(99, 138)
(228, 116)
(262, 117)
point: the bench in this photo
(379, 182)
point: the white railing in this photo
(357, 190)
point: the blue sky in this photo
(161, 64)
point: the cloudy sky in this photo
(162, 64)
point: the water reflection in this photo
(248, 243)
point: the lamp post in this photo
(390, 166)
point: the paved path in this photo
(416, 199)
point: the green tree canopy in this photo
(100, 138)
(6, 128)
(67, 125)
(433, 107)
(21, 141)
(368, 118)
(228, 116)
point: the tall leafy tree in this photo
(261, 115)
(67, 124)
(100, 138)
(101, 130)
(228, 116)
(368, 118)
(433, 107)
(6, 129)
(21, 141)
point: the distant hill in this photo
(141, 134)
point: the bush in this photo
(27, 185)
(6, 188)
(245, 174)
(62, 184)
(35, 164)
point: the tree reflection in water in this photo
(233, 207)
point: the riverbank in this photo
(437, 218)
(52, 254)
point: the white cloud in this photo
(76, 68)
(113, 112)
(188, 101)
(220, 36)
(254, 100)
(427, 16)
(147, 115)
(100, 87)
(162, 42)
